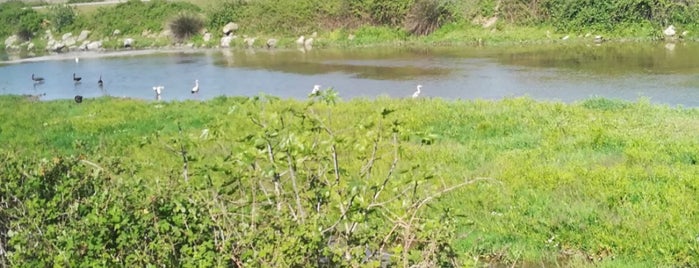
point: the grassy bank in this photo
(341, 23)
(264, 181)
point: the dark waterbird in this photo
(37, 78)
(78, 99)
(99, 82)
(76, 78)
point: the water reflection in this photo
(567, 72)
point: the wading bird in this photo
(76, 78)
(195, 89)
(315, 91)
(78, 98)
(158, 90)
(417, 93)
(100, 83)
(37, 79)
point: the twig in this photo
(183, 151)
(292, 173)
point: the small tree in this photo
(61, 16)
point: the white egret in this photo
(195, 89)
(417, 93)
(77, 59)
(315, 91)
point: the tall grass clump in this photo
(185, 25)
(153, 16)
(426, 16)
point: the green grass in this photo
(595, 183)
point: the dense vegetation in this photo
(270, 182)
(371, 21)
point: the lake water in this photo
(663, 73)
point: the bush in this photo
(151, 16)
(185, 25)
(61, 16)
(426, 16)
(16, 17)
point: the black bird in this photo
(78, 98)
(99, 82)
(37, 78)
(76, 78)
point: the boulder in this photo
(70, 41)
(207, 37)
(249, 41)
(66, 36)
(128, 42)
(230, 28)
(300, 40)
(57, 47)
(83, 35)
(11, 40)
(272, 43)
(308, 43)
(94, 45)
(226, 41)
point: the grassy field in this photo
(515, 182)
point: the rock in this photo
(11, 40)
(226, 41)
(30, 46)
(670, 32)
(230, 28)
(314, 35)
(308, 43)
(599, 39)
(66, 36)
(207, 37)
(249, 41)
(94, 45)
(565, 37)
(350, 37)
(70, 41)
(300, 40)
(116, 32)
(83, 35)
(128, 42)
(271, 43)
(57, 47)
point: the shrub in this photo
(61, 16)
(426, 16)
(16, 16)
(185, 25)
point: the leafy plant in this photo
(61, 16)
(426, 16)
(185, 25)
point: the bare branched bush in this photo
(185, 25)
(426, 16)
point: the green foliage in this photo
(152, 16)
(185, 25)
(426, 16)
(61, 16)
(299, 183)
(17, 17)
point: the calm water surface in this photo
(663, 74)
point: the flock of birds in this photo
(159, 89)
(77, 79)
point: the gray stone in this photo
(128, 42)
(230, 28)
(94, 45)
(83, 35)
(207, 37)
(272, 43)
(11, 40)
(226, 41)
(70, 41)
(308, 43)
(66, 36)
(249, 41)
